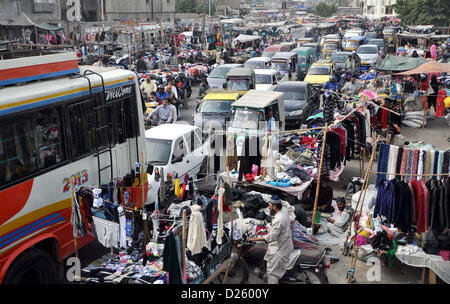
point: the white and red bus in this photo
(58, 121)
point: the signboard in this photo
(118, 93)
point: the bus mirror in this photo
(149, 169)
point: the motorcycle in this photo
(310, 267)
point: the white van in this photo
(258, 63)
(178, 149)
(267, 80)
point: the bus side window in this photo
(84, 122)
(30, 143)
(125, 120)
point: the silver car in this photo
(369, 54)
(218, 76)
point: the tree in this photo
(190, 6)
(421, 12)
(325, 10)
(185, 6)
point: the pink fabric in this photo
(404, 161)
(445, 254)
(334, 175)
(255, 170)
(433, 51)
(360, 240)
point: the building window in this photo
(44, 6)
(389, 10)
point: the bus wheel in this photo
(35, 266)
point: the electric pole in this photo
(203, 26)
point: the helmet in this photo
(332, 78)
(160, 87)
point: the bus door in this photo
(124, 132)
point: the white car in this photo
(368, 53)
(178, 149)
(267, 80)
(258, 63)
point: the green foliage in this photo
(185, 6)
(325, 10)
(190, 6)
(422, 12)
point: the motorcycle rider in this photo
(202, 90)
(331, 85)
(149, 85)
(351, 87)
(173, 88)
(173, 100)
(161, 94)
(281, 255)
(164, 113)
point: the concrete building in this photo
(378, 8)
(140, 10)
(21, 12)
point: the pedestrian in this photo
(432, 97)
(281, 255)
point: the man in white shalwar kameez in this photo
(281, 255)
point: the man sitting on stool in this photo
(325, 196)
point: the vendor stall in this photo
(407, 214)
(186, 244)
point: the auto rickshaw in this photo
(248, 118)
(241, 79)
(353, 43)
(306, 57)
(302, 41)
(389, 36)
(286, 63)
(329, 47)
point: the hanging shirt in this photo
(197, 233)
(171, 260)
(385, 198)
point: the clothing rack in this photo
(410, 174)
